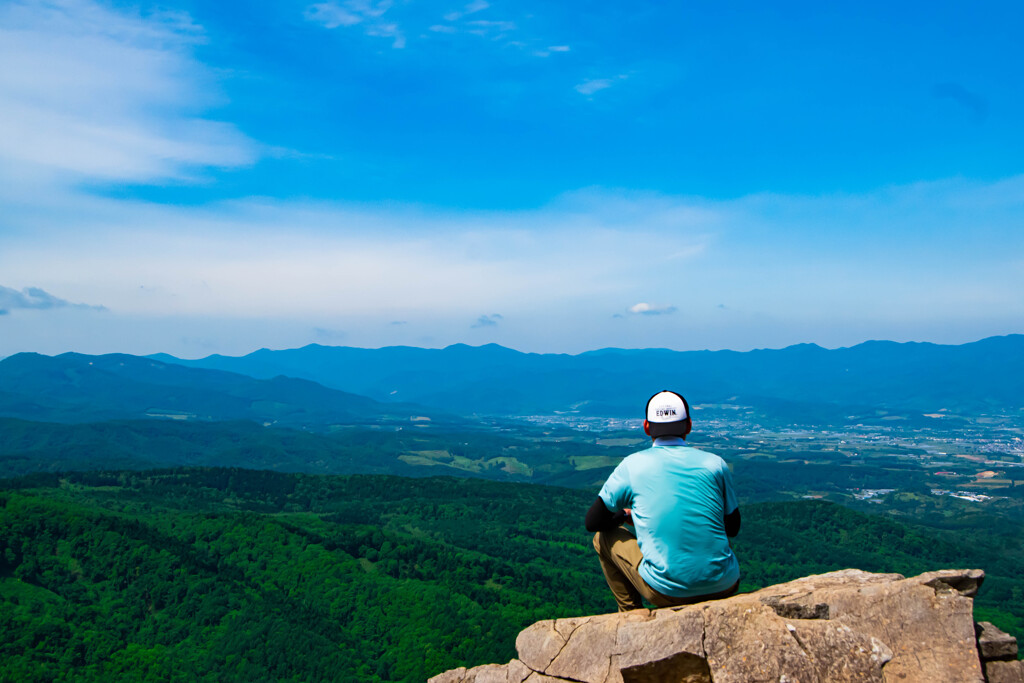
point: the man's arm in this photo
(732, 519)
(732, 523)
(600, 518)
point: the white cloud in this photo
(330, 15)
(497, 30)
(483, 27)
(87, 92)
(487, 320)
(885, 268)
(387, 31)
(551, 48)
(593, 85)
(352, 12)
(643, 308)
(35, 298)
(471, 8)
(338, 260)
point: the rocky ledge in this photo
(848, 625)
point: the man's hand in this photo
(600, 518)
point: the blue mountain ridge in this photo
(75, 387)
(981, 376)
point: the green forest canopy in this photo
(220, 574)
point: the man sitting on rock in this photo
(663, 517)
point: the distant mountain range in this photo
(980, 377)
(78, 388)
(129, 412)
(319, 386)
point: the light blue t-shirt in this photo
(679, 497)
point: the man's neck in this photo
(669, 441)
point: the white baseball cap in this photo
(665, 410)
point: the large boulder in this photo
(847, 625)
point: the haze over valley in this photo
(798, 422)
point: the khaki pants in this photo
(620, 560)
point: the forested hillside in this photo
(229, 574)
(74, 387)
(27, 447)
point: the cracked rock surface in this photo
(848, 625)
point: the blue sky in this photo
(201, 178)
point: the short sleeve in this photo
(727, 490)
(616, 492)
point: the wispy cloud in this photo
(546, 52)
(385, 30)
(973, 102)
(468, 21)
(209, 261)
(329, 334)
(509, 35)
(593, 85)
(87, 92)
(471, 8)
(37, 299)
(331, 15)
(644, 308)
(364, 13)
(488, 320)
(484, 27)
(266, 264)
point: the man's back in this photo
(679, 497)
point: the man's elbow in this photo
(732, 523)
